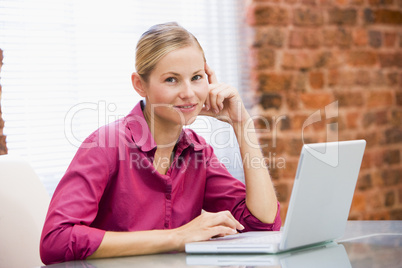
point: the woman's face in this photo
(178, 87)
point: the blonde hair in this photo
(158, 41)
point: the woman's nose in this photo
(186, 91)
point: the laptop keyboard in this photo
(254, 238)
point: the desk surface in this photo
(364, 244)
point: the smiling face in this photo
(177, 88)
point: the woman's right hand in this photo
(206, 226)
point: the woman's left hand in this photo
(223, 101)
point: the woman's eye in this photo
(170, 80)
(197, 77)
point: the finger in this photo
(225, 218)
(212, 99)
(238, 225)
(206, 112)
(221, 95)
(219, 231)
(207, 104)
(212, 79)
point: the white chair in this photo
(23, 207)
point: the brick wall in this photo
(3, 147)
(306, 55)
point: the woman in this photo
(139, 185)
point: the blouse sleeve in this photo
(67, 234)
(224, 192)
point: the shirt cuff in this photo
(84, 242)
(251, 223)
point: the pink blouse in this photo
(112, 185)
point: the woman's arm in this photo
(225, 104)
(205, 226)
(260, 193)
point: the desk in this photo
(364, 244)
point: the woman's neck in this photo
(165, 135)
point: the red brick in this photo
(378, 216)
(374, 200)
(399, 98)
(330, 37)
(392, 156)
(3, 145)
(308, 17)
(341, 2)
(265, 14)
(267, 1)
(400, 37)
(390, 59)
(360, 37)
(390, 177)
(396, 214)
(316, 100)
(400, 195)
(390, 39)
(300, 82)
(381, 117)
(293, 147)
(293, 100)
(368, 119)
(379, 99)
(352, 119)
(333, 77)
(367, 160)
(273, 82)
(390, 199)
(393, 135)
(362, 58)
(327, 59)
(383, 16)
(271, 100)
(297, 60)
(362, 78)
(357, 2)
(383, 78)
(282, 191)
(359, 202)
(349, 99)
(380, 2)
(304, 39)
(316, 80)
(290, 170)
(396, 117)
(297, 121)
(262, 58)
(375, 39)
(268, 36)
(364, 182)
(342, 16)
(309, 2)
(338, 37)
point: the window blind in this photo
(68, 64)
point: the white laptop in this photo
(319, 205)
(329, 256)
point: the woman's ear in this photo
(138, 84)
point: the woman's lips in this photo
(186, 107)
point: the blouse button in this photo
(166, 225)
(168, 196)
